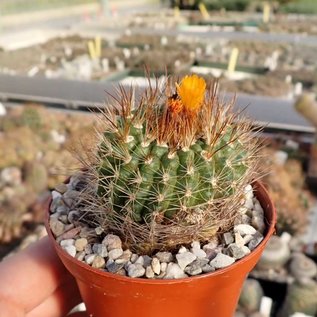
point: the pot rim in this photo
(270, 230)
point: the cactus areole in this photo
(173, 167)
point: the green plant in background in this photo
(31, 118)
(231, 5)
(172, 169)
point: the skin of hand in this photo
(35, 283)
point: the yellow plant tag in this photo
(204, 11)
(233, 60)
(266, 12)
(98, 46)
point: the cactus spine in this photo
(173, 168)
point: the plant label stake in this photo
(266, 12)
(203, 11)
(233, 60)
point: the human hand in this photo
(35, 283)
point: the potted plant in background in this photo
(166, 218)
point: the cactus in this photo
(302, 267)
(171, 169)
(251, 295)
(302, 298)
(35, 176)
(275, 255)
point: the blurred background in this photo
(59, 58)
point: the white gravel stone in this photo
(173, 271)
(156, 266)
(56, 226)
(149, 272)
(112, 242)
(98, 262)
(80, 255)
(125, 257)
(115, 254)
(140, 260)
(258, 223)
(247, 238)
(184, 259)
(164, 256)
(248, 204)
(56, 194)
(163, 267)
(182, 250)
(221, 260)
(80, 244)
(244, 229)
(195, 245)
(210, 245)
(239, 241)
(67, 242)
(100, 249)
(134, 257)
(70, 249)
(199, 253)
(90, 258)
(136, 270)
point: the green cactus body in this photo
(300, 298)
(250, 297)
(163, 165)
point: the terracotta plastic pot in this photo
(209, 295)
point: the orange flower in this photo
(191, 91)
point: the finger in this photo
(32, 275)
(60, 302)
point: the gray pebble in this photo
(90, 258)
(112, 242)
(136, 270)
(147, 260)
(61, 188)
(88, 249)
(193, 269)
(227, 238)
(149, 272)
(56, 226)
(73, 216)
(257, 238)
(183, 259)
(164, 256)
(70, 249)
(114, 267)
(100, 249)
(236, 251)
(221, 261)
(115, 254)
(208, 268)
(244, 229)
